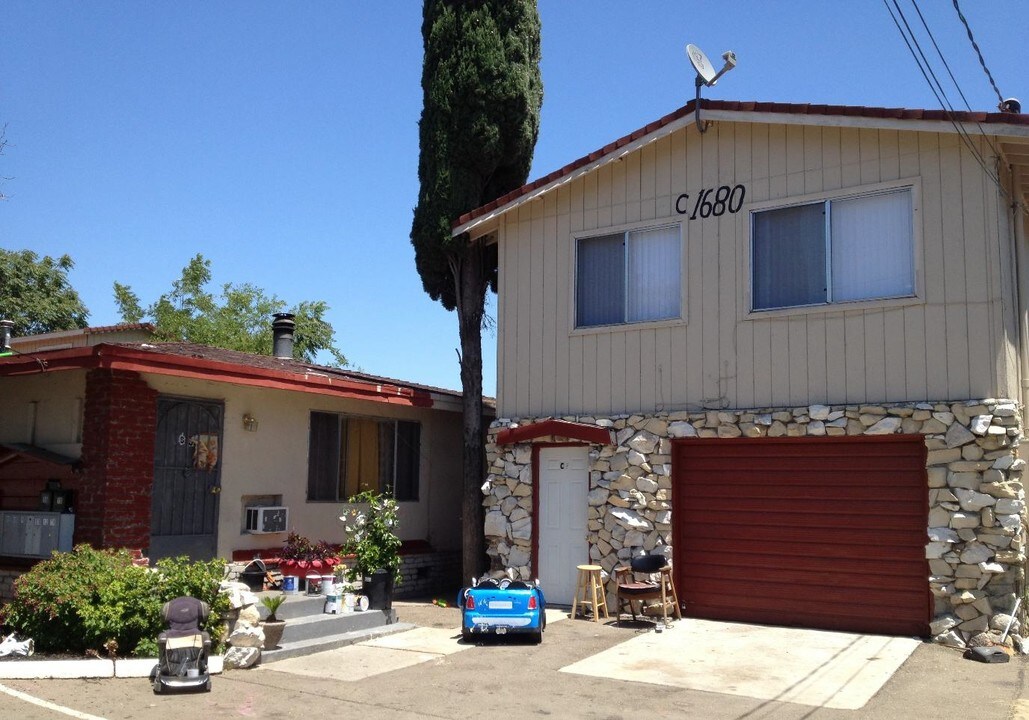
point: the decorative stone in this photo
(943, 624)
(886, 426)
(495, 525)
(942, 534)
(1007, 506)
(681, 429)
(246, 636)
(818, 412)
(975, 553)
(596, 497)
(239, 658)
(645, 442)
(972, 500)
(631, 519)
(980, 424)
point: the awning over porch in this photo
(556, 430)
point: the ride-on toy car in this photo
(503, 607)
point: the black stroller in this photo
(182, 648)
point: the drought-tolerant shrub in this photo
(80, 601)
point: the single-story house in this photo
(175, 448)
(789, 352)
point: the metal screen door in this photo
(187, 479)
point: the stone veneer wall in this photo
(976, 531)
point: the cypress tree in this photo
(480, 118)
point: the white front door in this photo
(563, 486)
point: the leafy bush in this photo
(82, 600)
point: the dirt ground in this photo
(517, 679)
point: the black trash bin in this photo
(379, 589)
(253, 575)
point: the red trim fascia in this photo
(113, 357)
(556, 428)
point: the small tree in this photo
(35, 293)
(238, 320)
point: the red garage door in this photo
(812, 532)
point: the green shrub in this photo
(82, 600)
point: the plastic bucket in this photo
(289, 584)
(314, 584)
(328, 585)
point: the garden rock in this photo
(239, 658)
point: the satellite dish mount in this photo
(706, 75)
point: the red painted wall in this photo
(112, 492)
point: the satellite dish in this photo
(705, 70)
(706, 74)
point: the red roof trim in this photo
(559, 428)
(748, 106)
(117, 357)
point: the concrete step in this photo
(299, 648)
(314, 626)
(296, 606)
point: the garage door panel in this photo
(839, 515)
(816, 532)
(790, 599)
(848, 619)
(786, 573)
(706, 563)
(720, 547)
(739, 536)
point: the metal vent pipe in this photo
(282, 335)
(6, 327)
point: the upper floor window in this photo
(833, 251)
(348, 455)
(628, 277)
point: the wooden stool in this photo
(590, 591)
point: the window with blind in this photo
(628, 277)
(348, 455)
(833, 251)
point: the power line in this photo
(937, 89)
(975, 46)
(953, 79)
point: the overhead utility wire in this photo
(952, 78)
(975, 46)
(929, 76)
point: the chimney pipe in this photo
(6, 326)
(282, 335)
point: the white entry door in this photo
(563, 486)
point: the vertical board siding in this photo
(954, 341)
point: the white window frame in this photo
(625, 231)
(911, 184)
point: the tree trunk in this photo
(471, 304)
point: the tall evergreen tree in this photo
(480, 119)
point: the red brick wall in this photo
(112, 492)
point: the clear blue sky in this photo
(280, 139)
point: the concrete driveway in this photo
(581, 670)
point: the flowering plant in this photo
(369, 525)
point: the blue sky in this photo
(280, 139)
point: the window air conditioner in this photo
(262, 520)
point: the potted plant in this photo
(272, 626)
(300, 556)
(371, 541)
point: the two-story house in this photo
(788, 352)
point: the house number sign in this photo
(712, 202)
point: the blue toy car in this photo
(503, 607)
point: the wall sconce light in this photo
(249, 422)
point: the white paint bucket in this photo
(289, 584)
(328, 585)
